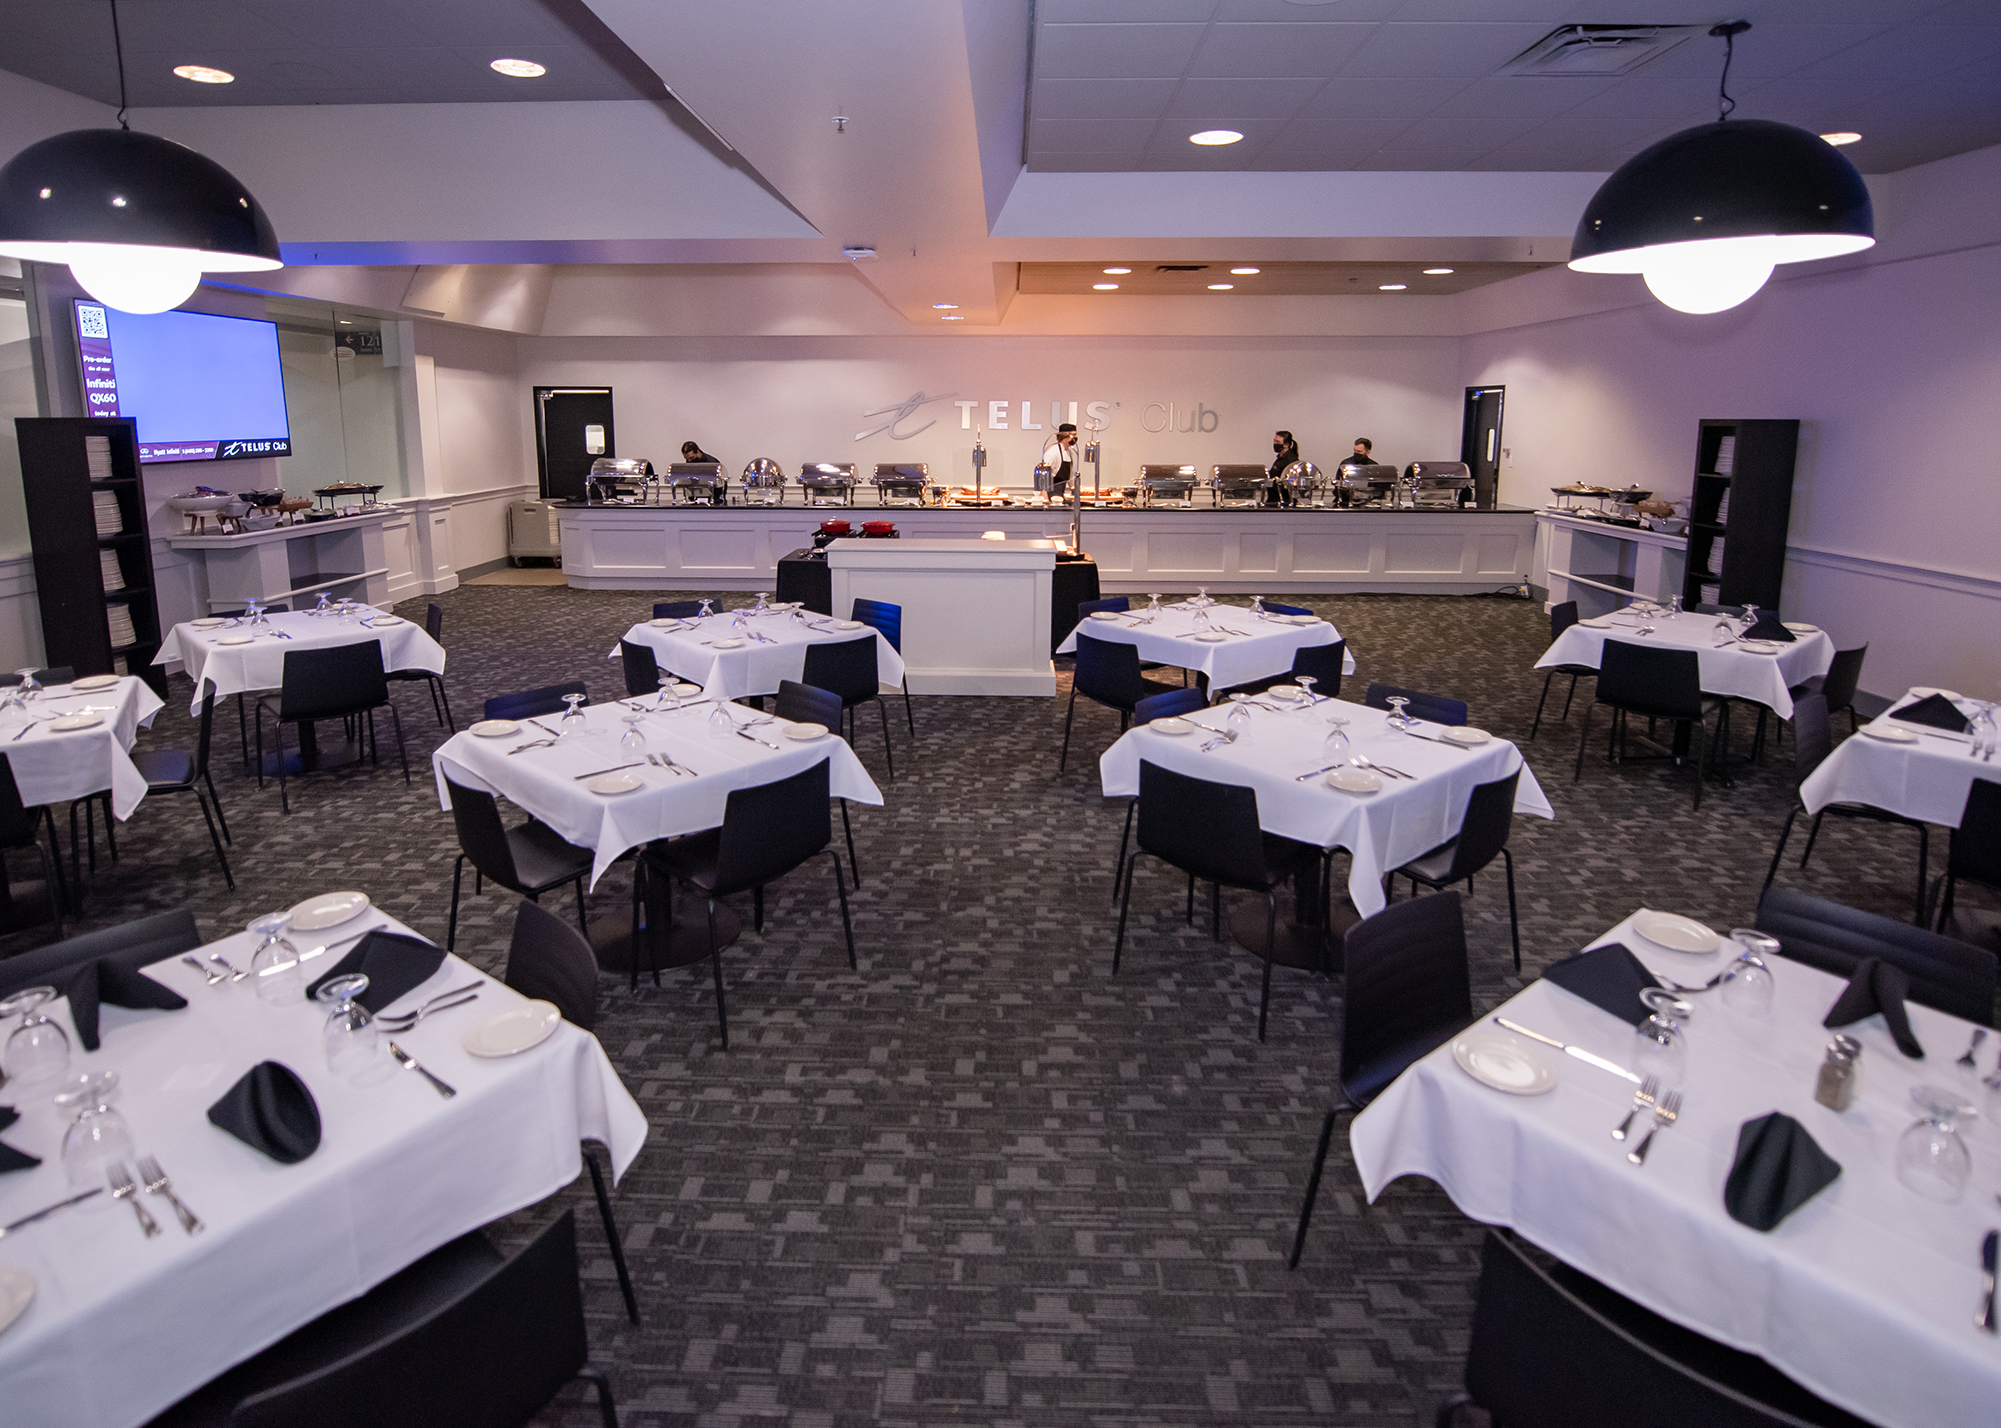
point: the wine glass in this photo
(1201, 621)
(28, 688)
(633, 742)
(721, 725)
(1674, 606)
(348, 613)
(350, 1036)
(98, 1138)
(38, 1048)
(1397, 718)
(1661, 1049)
(1152, 605)
(572, 721)
(1748, 982)
(1749, 619)
(275, 963)
(708, 609)
(321, 607)
(1932, 1158)
(1239, 719)
(252, 610)
(1258, 606)
(763, 603)
(1201, 600)
(1306, 683)
(1336, 748)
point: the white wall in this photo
(485, 443)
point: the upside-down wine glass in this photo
(274, 966)
(632, 742)
(350, 1035)
(98, 1136)
(708, 609)
(572, 721)
(1932, 1158)
(1661, 1049)
(1397, 718)
(1306, 683)
(38, 1048)
(1239, 719)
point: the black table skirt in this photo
(803, 576)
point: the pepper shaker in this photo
(1835, 1087)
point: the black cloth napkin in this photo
(1770, 627)
(1609, 977)
(1778, 1168)
(1878, 986)
(10, 1158)
(1934, 711)
(107, 981)
(393, 964)
(271, 1110)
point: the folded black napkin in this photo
(1609, 977)
(1778, 1168)
(271, 1110)
(109, 981)
(393, 964)
(1934, 711)
(10, 1158)
(1878, 986)
(1770, 627)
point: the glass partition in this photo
(343, 394)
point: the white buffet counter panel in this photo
(1331, 552)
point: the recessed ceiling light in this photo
(1221, 287)
(1213, 137)
(1844, 137)
(1105, 287)
(1117, 271)
(1436, 272)
(202, 74)
(1391, 287)
(518, 68)
(951, 317)
(1244, 270)
(946, 306)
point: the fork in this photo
(1665, 1111)
(213, 974)
(1363, 761)
(122, 1188)
(1643, 1100)
(1228, 736)
(664, 762)
(532, 744)
(234, 975)
(156, 1183)
(444, 1001)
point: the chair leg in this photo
(243, 736)
(1191, 897)
(76, 850)
(1069, 715)
(446, 698)
(1312, 1187)
(260, 738)
(1271, 936)
(1539, 703)
(757, 910)
(1570, 696)
(583, 918)
(847, 926)
(611, 1237)
(62, 894)
(854, 864)
(1514, 922)
(1813, 836)
(368, 737)
(1779, 852)
(218, 808)
(1125, 837)
(888, 754)
(227, 876)
(110, 827)
(284, 797)
(1583, 735)
(1215, 912)
(1924, 858)
(452, 924)
(52, 881)
(1125, 905)
(909, 717)
(1696, 736)
(607, 1410)
(1944, 902)
(402, 753)
(716, 962)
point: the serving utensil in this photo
(1588, 1058)
(157, 1183)
(410, 1063)
(1664, 1116)
(122, 1188)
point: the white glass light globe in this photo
(135, 279)
(1705, 277)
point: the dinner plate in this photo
(615, 783)
(495, 728)
(1889, 733)
(94, 681)
(805, 731)
(847, 624)
(1601, 622)
(1505, 1063)
(1676, 933)
(76, 721)
(1104, 615)
(236, 639)
(1800, 627)
(1286, 693)
(664, 622)
(17, 1292)
(1302, 619)
(686, 691)
(1171, 725)
(1925, 691)
(1759, 646)
(512, 1031)
(1210, 637)
(328, 910)
(208, 623)
(1355, 781)
(1464, 734)
(726, 644)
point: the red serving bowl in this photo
(835, 527)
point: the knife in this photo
(1579, 1052)
(410, 1064)
(6, 1230)
(744, 734)
(1430, 739)
(1990, 1250)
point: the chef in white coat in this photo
(1059, 454)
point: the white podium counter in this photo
(975, 612)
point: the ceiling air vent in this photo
(1181, 267)
(1597, 51)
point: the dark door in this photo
(1480, 442)
(572, 429)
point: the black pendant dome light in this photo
(1706, 213)
(137, 218)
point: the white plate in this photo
(1676, 933)
(1210, 637)
(1286, 693)
(1104, 615)
(208, 623)
(76, 721)
(380, 620)
(1800, 627)
(495, 728)
(726, 644)
(17, 1292)
(1171, 725)
(512, 1031)
(1504, 1063)
(847, 624)
(1602, 622)
(94, 681)
(1759, 646)
(803, 732)
(615, 783)
(1925, 691)
(236, 639)
(687, 691)
(328, 910)
(1302, 619)
(1889, 733)
(663, 622)
(1355, 781)
(1464, 734)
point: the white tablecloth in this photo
(1733, 672)
(1927, 780)
(755, 667)
(1264, 647)
(122, 1326)
(1866, 1294)
(544, 782)
(259, 665)
(53, 768)
(1382, 830)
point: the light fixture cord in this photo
(1729, 33)
(118, 47)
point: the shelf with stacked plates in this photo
(1739, 512)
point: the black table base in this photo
(678, 941)
(1304, 940)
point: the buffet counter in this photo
(1246, 551)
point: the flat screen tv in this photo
(199, 386)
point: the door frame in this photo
(1468, 437)
(539, 395)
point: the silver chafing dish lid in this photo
(1238, 477)
(902, 474)
(1159, 477)
(827, 473)
(1304, 475)
(1379, 474)
(763, 472)
(695, 473)
(630, 467)
(1437, 474)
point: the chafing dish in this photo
(616, 478)
(1306, 482)
(1436, 485)
(900, 483)
(696, 483)
(1167, 486)
(1365, 483)
(1236, 487)
(333, 493)
(828, 483)
(1568, 496)
(763, 483)
(1045, 479)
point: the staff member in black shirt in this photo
(691, 454)
(1365, 453)
(1059, 454)
(1286, 450)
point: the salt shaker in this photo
(1835, 1087)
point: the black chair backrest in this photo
(327, 683)
(434, 622)
(846, 668)
(17, 823)
(206, 727)
(491, 1355)
(882, 617)
(56, 674)
(677, 609)
(642, 669)
(1115, 603)
(1483, 832)
(530, 702)
(1324, 663)
(1208, 829)
(1406, 973)
(803, 704)
(1561, 618)
(1947, 974)
(482, 836)
(1275, 608)
(549, 959)
(135, 944)
(1108, 672)
(1813, 739)
(1648, 679)
(1976, 843)
(1433, 707)
(1844, 677)
(1166, 706)
(771, 829)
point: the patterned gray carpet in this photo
(981, 1181)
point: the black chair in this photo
(1211, 832)
(1323, 662)
(55, 674)
(530, 702)
(242, 718)
(1155, 706)
(547, 961)
(139, 943)
(887, 620)
(803, 704)
(1552, 1348)
(1950, 975)
(768, 830)
(847, 669)
(462, 1337)
(177, 771)
(1119, 605)
(1655, 683)
(339, 682)
(441, 702)
(677, 609)
(1483, 835)
(1432, 708)
(1561, 618)
(1108, 673)
(1975, 850)
(1408, 992)
(531, 860)
(1813, 741)
(642, 670)
(20, 827)
(1841, 683)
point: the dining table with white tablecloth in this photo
(245, 658)
(54, 762)
(741, 653)
(1729, 668)
(1903, 768)
(1229, 644)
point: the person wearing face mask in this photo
(1285, 451)
(1364, 454)
(1059, 454)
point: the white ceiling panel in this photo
(1114, 51)
(1285, 12)
(1100, 98)
(1768, 52)
(1233, 99)
(1913, 52)
(1398, 51)
(1520, 97)
(1072, 136)
(1277, 50)
(1471, 136)
(1353, 96)
(1055, 12)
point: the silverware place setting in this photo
(213, 974)
(156, 1182)
(410, 1063)
(1666, 1110)
(46, 1211)
(531, 744)
(662, 761)
(122, 1188)
(1222, 740)
(1363, 761)
(1643, 1101)
(1966, 1056)
(615, 768)
(234, 975)
(444, 1001)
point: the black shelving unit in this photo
(74, 561)
(1747, 507)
